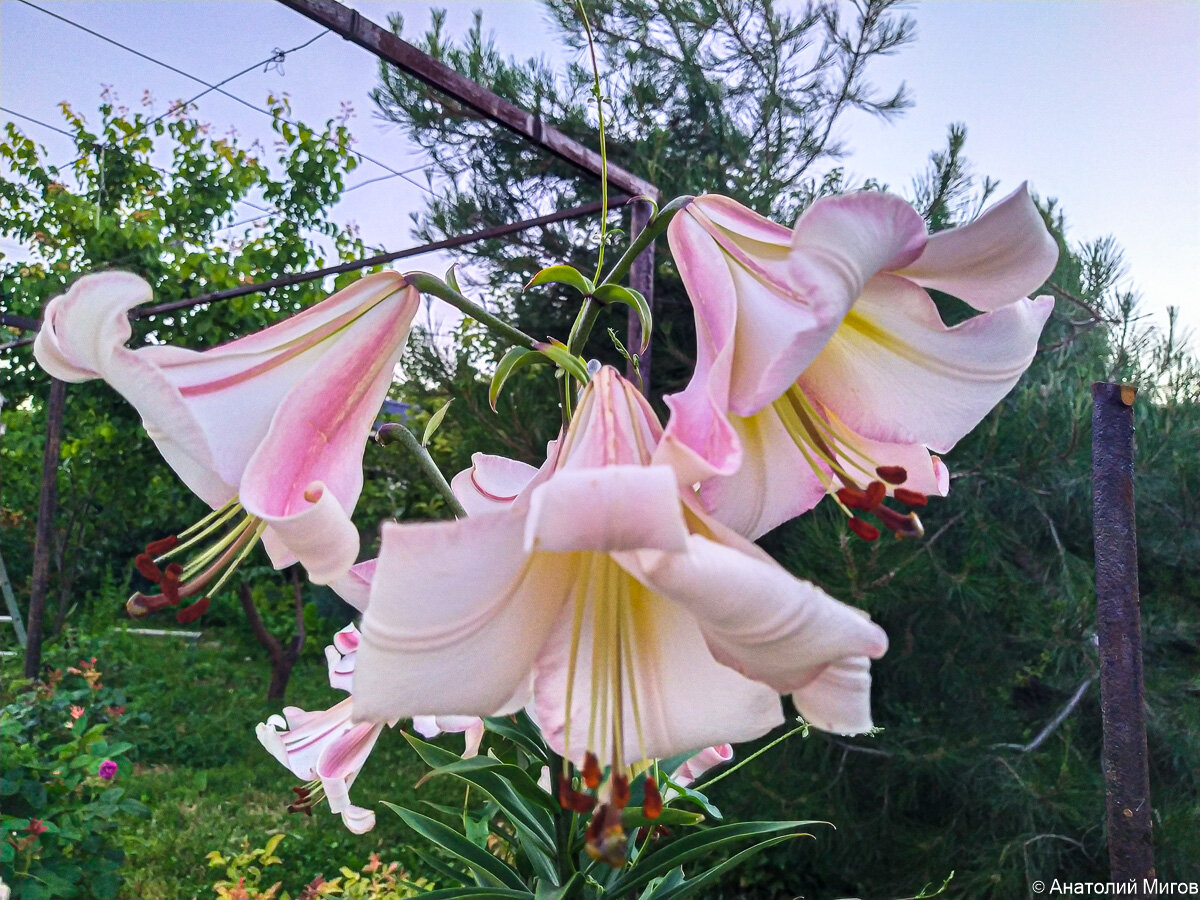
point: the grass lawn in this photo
(209, 784)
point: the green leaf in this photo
(567, 275)
(679, 852)
(524, 803)
(566, 360)
(452, 279)
(492, 870)
(434, 421)
(474, 893)
(522, 732)
(707, 877)
(515, 358)
(633, 816)
(615, 293)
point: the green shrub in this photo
(62, 805)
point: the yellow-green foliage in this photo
(245, 875)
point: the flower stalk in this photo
(393, 433)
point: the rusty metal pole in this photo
(641, 279)
(1118, 617)
(45, 527)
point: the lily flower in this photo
(268, 429)
(327, 749)
(603, 597)
(824, 367)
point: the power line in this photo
(276, 57)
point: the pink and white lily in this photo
(602, 597)
(823, 366)
(327, 749)
(268, 430)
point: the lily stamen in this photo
(181, 581)
(820, 442)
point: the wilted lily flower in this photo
(631, 623)
(327, 749)
(823, 366)
(268, 429)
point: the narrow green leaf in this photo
(474, 893)
(435, 421)
(522, 732)
(515, 358)
(566, 360)
(707, 877)
(452, 279)
(567, 275)
(679, 852)
(524, 804)
(633, 817)
(492, 870)
(615, 293)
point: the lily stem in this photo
(395, 433)
(431, 284)
(591, 307)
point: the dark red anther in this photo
(910, 498)
(572, 799)
(653, 803)
(170, 583)
(190, 614)
(852, 498)
(596, 825)
(301, 791)
(903, 526)
(864, 530)
(875, 493)
(620, 790)
(144, 563)
(161, 546)
(591, 771)
(892, 474)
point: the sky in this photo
(1093, 102)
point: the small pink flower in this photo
(108, 770)
(76, 712)
(35, 826)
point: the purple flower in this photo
(108, 769)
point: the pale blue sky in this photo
(1094, 102)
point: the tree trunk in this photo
(283, 659)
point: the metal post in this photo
(1118, 616)
(641, 279)
(45, 527)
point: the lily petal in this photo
(696, 766)
(469, 652)
(1004, 255)
(773, 628)
(775, 482)
(838, 699)
(895, 373)
(492, 483)
(609, 508)
(681, 696)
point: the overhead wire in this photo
(277, 57)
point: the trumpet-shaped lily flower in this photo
(823, 366)
(603, 598)
(327, 749)
(268, 430)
